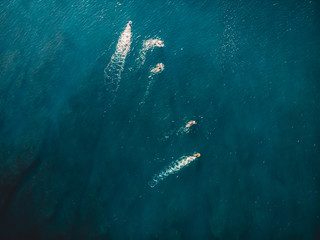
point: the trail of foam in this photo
(182, 130)
(154, 71)
(147, 45)
(172, 169)
(186, 128)
(113, 70)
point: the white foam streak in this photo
(113, 70)
(147, 45)
(154, 71)
(173, 168)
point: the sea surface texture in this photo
(89, 127)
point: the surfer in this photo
(159, 43)
(189, 124)
(159, 68)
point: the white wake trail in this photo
(113, 70)
(173, 168)
(154, 71)
(182, 130)
(147, 45)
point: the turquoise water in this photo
(76, 159)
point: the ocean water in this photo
(76, 157)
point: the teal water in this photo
(76, 165)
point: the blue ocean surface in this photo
(76, 157)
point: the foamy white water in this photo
(154, 71)
(113, 70)
(173, 168)
(181, 131)
(148, 45)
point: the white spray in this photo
(147, 45)
(113, 70)
(173, 168)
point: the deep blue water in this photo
(76, 165)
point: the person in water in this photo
(159, 43)
(158, 68)
(130, 23)
(189, 124)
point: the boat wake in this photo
(112, 72)
(186, 128)
(181, 131)
(173, 168)
(154, 71)
(147, 45)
